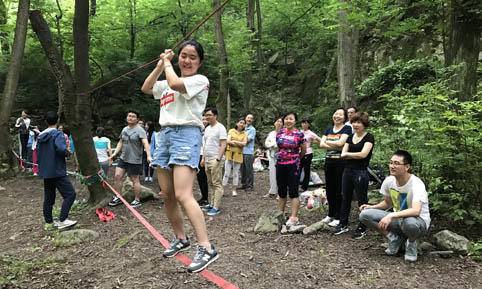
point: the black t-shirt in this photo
(359, 164)
(335, 136)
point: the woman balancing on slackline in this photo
(182, 101)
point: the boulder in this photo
(450, 241)
(73, 237)
(313, 228)
(425, 247)
(270, 222)
(128, 193)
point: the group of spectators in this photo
(193, 143)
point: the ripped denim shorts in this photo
(178, 145)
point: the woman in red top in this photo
(291, 148)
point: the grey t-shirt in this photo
(132, 147)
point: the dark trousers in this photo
(148, 170)
(23, 143)
(202, 180)
(353, 181)
(247, 172)
(333, 175)
(306, 167)
(288, 180)
(66, 190)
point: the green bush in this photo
(442, 133)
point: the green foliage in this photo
(13, 269)
(441, 132)
(475, 250)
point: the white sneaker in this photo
(150, 179)
(235, 193)
(334, 223)
(65, 224)
(327, 220)
(146, 179)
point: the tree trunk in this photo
(463, 47)
(132, 29)
(259, 20)
(347, 52)
(77, 101)
(10, 89)
(248, 76)
(221, 100)
(80, 122)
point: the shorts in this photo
(131, 169)
(179, 145)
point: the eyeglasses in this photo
(392, 163)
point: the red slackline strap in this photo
(208, 275)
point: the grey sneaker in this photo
(394, 243)
(65, 224)
(136, 203)
(115, 201)
(411, 251)
(294, 227)
(202, 259)
(176, 246)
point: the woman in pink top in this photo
(308, 157)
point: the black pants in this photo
(288, 180)
(353, 181)
(247, 172)
(202, 180)
(306, 167)
(23, 143)
(148, 170)
(333, 175)
(66, 190)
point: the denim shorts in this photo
(179, 145)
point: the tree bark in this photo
(347, 52)
(221, 100)
(463, 47)
(248, 76)
(81, 115)
(76, 99)
(132, 28)
(10, 89)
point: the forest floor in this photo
(126, 256)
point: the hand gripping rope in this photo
(157, 59)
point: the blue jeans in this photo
(412, 227)
(353, 182)
(179, 145)
(66, 190)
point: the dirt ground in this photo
(127, 256)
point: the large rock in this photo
(73, 237)
(270, 222)
(128, 193)
(451, 241)
(313, 228)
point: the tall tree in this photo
(347, 52)
(10, 89)
(222, 99)
(132, 28)
(76, 92)
(463, 43)
(248, 75)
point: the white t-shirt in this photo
(182, 108)
(101, 147)
(402, 197)
(211, 140)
